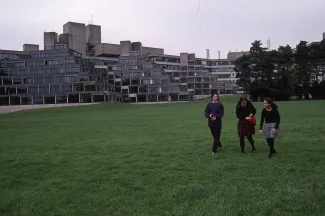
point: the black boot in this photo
(242, 144)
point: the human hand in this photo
(248, 118)
(273, 130)
(250, 115)
(261, 131)
(214, 118)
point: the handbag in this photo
(252, 120)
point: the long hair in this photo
(270, 101)
(241, 99)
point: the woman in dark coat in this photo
(214, 112)
(245, 112)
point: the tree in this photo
(302, 75)
(243, 69)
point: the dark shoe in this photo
(270, 155)
(273, 151)
(253, 148)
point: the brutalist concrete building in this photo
(76, 67)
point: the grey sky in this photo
(173, 25)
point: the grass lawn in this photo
(123, 159)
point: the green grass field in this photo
(123, 159)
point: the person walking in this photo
(271, 116)
(245, 112)
(214, 112)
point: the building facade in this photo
(76, 67)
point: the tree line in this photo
(283, 73)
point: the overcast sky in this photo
(175, 25)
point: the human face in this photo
(266, 104)
(243, 103)
(215, 98)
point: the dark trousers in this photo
(270, 143)
(216, 132)
(242, 142)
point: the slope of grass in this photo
(119, 159)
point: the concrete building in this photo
(78, 34)
(50, 39)
(76, 67)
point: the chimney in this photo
(219, 54)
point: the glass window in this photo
(37, 99)
(28, 100)
(70, 61)
(66, 88)
(33, 90)
(34, 55)
(49, 79)
(84, 78)
(23, 71)
(75, 69)
(72, 79)
(59, 78)
(54, 70)
(43, 89)
(61, 99)
(7, 80)
(17, 80)
(55, 89)
(65, 70)
(38, 79)
(21, 89)
(33, 71)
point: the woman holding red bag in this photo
(245, 112)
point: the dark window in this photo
(14, 72)
(49, 99)
(75, 69)
(66, 88)
(7, 81)
(49, 79)
(32, 89)
(43, 89)
(59, 78)
(23, 71)
(38, 100)
(54, 70)
(21, 90)
(54, 88)
(61, 99)
(28, 100)
(65, 70)
(17, 80)
(33, 71)
(38, 79)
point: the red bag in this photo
(252, 120)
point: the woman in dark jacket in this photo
(245, 111)
(214, 112)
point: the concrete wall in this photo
(152, 50)
(184, 59)
(235, 55)
(78, 32)
(66, 39)
(191, 56)
(137, 46)
(103, 48)
(50, 38)
(30, 47)
(93, 34)
(125, 48)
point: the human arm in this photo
(262, 119)
(207, 112)
(277, 119)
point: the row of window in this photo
(35, 71)
(20, 64)
(55, 99)
(46, 79)
(53, 88)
